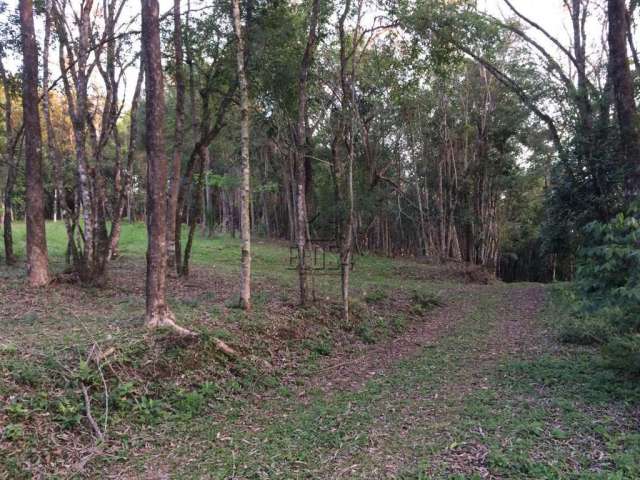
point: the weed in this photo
(150, 410)
(122, 395)
(13, 432)
(26, 372)
(208, 389)
(321, 346)
(68, 413)
(16, 410)
(8, 349)
(189, 404)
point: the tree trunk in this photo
(195, 210)
(158, 313)
(175, 179)
(624, 96)
(11, 140)
(245, 188)
(123, 191)
(300, 151)
(9, 255)
(69, 216)
(37, 257)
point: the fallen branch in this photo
(87, 407)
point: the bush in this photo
(583, 329)
(623, 352)
(608, 289)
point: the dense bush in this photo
(608, 290)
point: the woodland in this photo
(251, 239)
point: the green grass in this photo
(459, 408)
(222, 252)
(562, 415)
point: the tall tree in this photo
(245, 188)
(343, 151)
(176, 167)
(12, 138)
(37, 256)
(624, 96)
(54, 156)
(158, 313)
(300, 153)
(92, 47)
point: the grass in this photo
(496, 395)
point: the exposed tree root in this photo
(164, 318)
(224, 348)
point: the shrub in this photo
(585, 329)
(623, 352)
(424, 302)
(608, 289)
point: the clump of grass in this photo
(424, 302)
(583, 330)
(376, 296)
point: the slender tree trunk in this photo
(11, 162)
(53, 153)
(245, 188)
(175, 178)
(9, 255)
(123, 192)
(195, 208)
(158, 313)
(37, 256)
(300, 153)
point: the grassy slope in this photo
(484, 400)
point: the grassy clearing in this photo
(495, 396)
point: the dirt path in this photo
(517, 311)
(513, 331)
(404, 396)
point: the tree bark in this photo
(624, 96)
(175, 178)
(245, 188)
(37, 256)
(11, 162)
(69, 216)
(123, 188)
(300, 150)
(158, 313)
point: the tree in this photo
(54, 155)
(37, 256)
(176, 167)
(343, 148)
(300, 152)
(624, 96)
(10, 158)
(211, 75)
(245, 189)
(91, 48)
(158, 313)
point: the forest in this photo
(251, 239)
